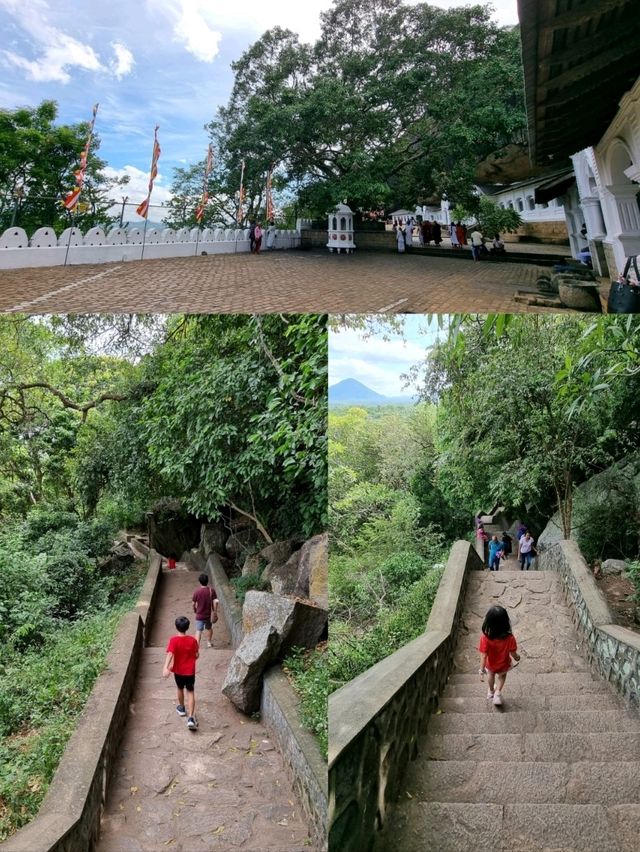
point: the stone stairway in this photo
(556, 768)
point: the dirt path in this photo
(223, 787)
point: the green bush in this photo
(252, 582)
(309, 674)
(41, 696)
(353, 651)
(633, 573)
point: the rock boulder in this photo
(614, 566)
(243, 682)
(313, 570)
(297, 623)
(212, 539)
(284, 578)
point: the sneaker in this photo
(181, 710)
(489, 694)
(209, 645)
(192, 724)
(497, 699)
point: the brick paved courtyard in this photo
(294, 281)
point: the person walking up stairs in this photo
(555, 767)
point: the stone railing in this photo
(279, 710)
(124, 244)
(612, 650)
(69, 818)
(376, 720)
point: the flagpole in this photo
(69, 241)
(143, 209)
(70, 201)
(144, 237)
(241, 198)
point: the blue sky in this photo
(378, 362)
(145, 62)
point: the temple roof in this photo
(579, 57)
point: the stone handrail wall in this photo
(120, 244)
(375, 721)
(614, 651)
(279, 710)
(69, 818)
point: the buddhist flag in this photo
(205, 186)
(143, 209)
(241, 196)
(270, 207)
(71, 199)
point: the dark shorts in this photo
(185, 682)
(203, 624)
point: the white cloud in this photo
(123, 61)
(193, 25)
(58, 51)
(136, 189)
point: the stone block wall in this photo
(613, 651)
(376, 720)
(279, 710)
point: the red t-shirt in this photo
(497, 651)
(203, 599)
(185, 652)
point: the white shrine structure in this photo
(340, 230)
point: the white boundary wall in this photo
(17, 251)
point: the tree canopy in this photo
(37, 163)
(217, 411)
(391, 105)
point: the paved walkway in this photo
(292, 281)
(222, 787)
(556, 768)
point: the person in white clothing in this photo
(526, 550)
(271, 236)
(477, 241)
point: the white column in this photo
(593, 217)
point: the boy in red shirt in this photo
(182, 653)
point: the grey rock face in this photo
(243, 682)
(313, 570)
(298, 623)
(614, 566)
(212, 539)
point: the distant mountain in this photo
(353, 392)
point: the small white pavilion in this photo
(340, 230)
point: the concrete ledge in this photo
(69, 818)
(231, 608)
(376, 720)
(149, 592)
(612, 650)
(279, 711)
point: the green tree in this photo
(508, 426)
(37, 163)
(391, 105)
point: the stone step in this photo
(554, 683)
(532, 701)
(541, 680)
(567, 747)
(454, 827)
(502, 783)
(544, 721)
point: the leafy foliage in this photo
(308, 671)
(390, 106)
(37, 164)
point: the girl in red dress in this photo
(498, 651)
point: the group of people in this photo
(429, 232)
(502, 548)
(184, 650)
(256, 235)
